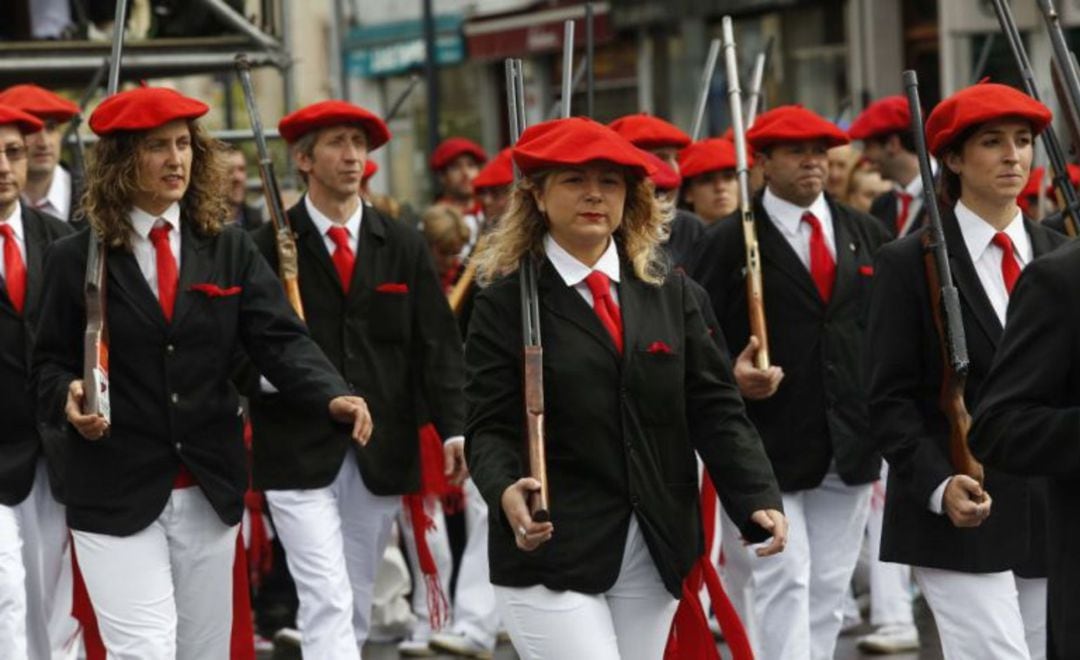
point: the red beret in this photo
(370, 168)
(979, 104)
(26, 123)
(451, 148)
(142, 109)
(498, 172)
(663, 176)
(793, 123)
(295, 125)
(883, 117)
(707, 156)
(648, 132)
(575, 141)
(40, 102)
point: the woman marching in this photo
(154, 498)
(633, 385)
(976, 551)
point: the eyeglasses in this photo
(14, 153)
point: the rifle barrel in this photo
(703, 89)
(119, 21)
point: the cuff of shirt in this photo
(266, 387)
(937, 498)
(454, 438)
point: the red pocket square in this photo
(214, 291)
(392, 287)
(866, 270)
(659, 347)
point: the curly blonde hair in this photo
(113, 177)
(522, 228)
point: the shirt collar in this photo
(572, 271)
(59, 195)
(789, 215)
(323, 223)
(15, 221)
(143, 222)
(978, 234)
(915, 187)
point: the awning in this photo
(533, 32)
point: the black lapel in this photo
(1040, 239)
(777, 253)
(370, 269)
(36, 240)
(6, 305)
(847, 249)
(126, 278)
(967, 280)
(196, 267)
(563, 301)
(310, 241)
(632, 307)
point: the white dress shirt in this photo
(14, 221)
(143, 249)
(787, 217)
(323, 223)
(978, 239)
(573, 272)
(57, 201)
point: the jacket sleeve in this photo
(897, 379)
(493, 394)
(720, 431)
(1027, 421)
(58, 348)
(435, 334)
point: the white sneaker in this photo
(415, 648)
(891, 639)
(460, 645)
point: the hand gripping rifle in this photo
(96, 337)
(755, 293)
(1054, 152)
(533, 354)
(288, 267)
(945, 304)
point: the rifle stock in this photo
(285, 241)
(944, 303)
(755, 292)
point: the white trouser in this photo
(36, 577)
(630, 621)
(166, 591)
(890, 584)
(1032, 593)
(476, 614)
(439, 545)
(334, 539)
(977, 614)
(804, 585)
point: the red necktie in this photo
(822, 264)
(167, 275)
(604, 306)
(905, 208)
(343, 256)
(1010, 267)
(14, 268)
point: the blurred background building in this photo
(833, 56)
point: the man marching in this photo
(456, 162)
(373, 302)
(817, 258)
(35, 559)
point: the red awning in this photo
(534, 31)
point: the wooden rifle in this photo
(944, 302)
(96, 400)
(288, 265)
(755, 292)
(1055, 154)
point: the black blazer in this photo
(621, 431)
(20, 442)
(1028, 416)
(884, 208)
(172, 399)
(818, 415)
(388, 344)
(904, 371)
(686, 230)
